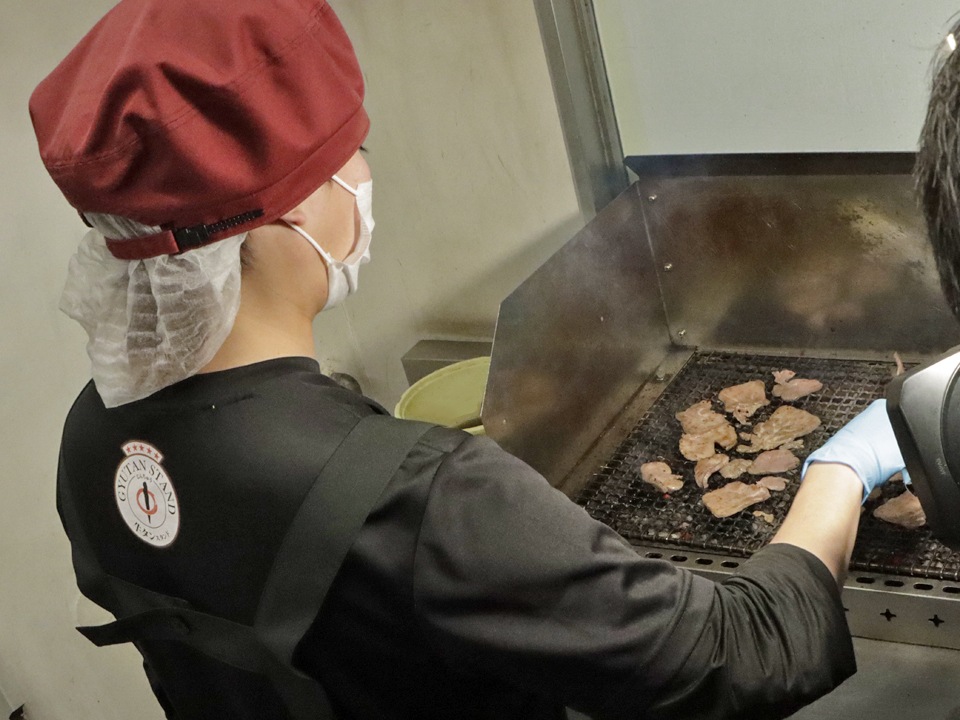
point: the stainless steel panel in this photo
(822, 252)
(621, 426)
(894, 682)
(575, 341)
(571, 43)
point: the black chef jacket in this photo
(474, 589)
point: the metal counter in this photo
(893, 682)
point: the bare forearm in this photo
(824, 516)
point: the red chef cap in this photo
(206, 118)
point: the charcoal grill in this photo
(707, 272)
(919, 577)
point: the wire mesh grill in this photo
(617, 496)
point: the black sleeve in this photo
(776, 640)
(514, 580)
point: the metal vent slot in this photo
(618, 497)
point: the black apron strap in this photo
(318, 539)
(228, 642)
(322, 532)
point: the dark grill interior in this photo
(618, 497)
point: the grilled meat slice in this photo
(785, 425)
(707, 467)
(735, 468)
(660, 476)
(744, 400)
(772, 482)
(734, 497)
(773, 461)
(791, 388)
(700, 446)
(903, 510)
(700, 418)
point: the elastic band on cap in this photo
(172, 242)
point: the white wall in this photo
(472, 187)
(472, 193)
(700, 76)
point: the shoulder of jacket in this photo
(443, 439)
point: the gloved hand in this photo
(867, 445)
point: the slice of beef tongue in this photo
(660, 476)
(699, 418)
(744, 400)
(789, 388)
(707, 467)
(785, 425)
(734, 497)
(903, 510)
(772, 482)
(773, 461)
(735, 468)
(701, 446)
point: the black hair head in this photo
(937, 168)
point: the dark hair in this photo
(937, 169)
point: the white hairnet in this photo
(154, 322)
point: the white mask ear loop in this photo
(316, 246)
(306, 236)
(346, 187)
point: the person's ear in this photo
(309, 209)
(297, 216)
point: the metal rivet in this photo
(668, 267)
(652, 198)
(681, 333)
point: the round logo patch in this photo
(145, 495)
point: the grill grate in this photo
(618, 497)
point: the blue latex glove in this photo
(867, 445)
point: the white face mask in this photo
(343, 276)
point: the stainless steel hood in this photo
(785, 254)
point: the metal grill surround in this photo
(617, 496)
